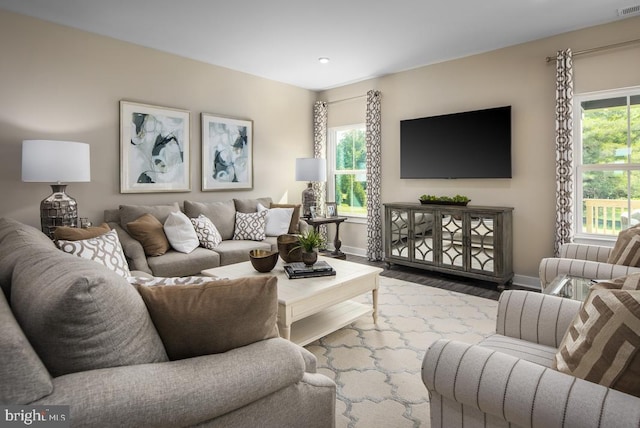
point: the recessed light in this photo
(323, 60)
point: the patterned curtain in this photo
(564, 149)
(320, 151)
(374, 158)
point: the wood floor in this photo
(471, 286)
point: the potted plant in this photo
(310, 241)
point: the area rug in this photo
(377, 366)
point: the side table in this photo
(572, 287)
(316, 222)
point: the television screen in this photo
(473, 144)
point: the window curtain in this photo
(374, 158)
(320, 151)
(564, 150)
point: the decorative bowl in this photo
(263, 260)
(286, 245)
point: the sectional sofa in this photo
(222, 215)
(75, 333)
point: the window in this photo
(607, 160)
(347, 175)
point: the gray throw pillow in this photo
(78, 315)
(221, 214)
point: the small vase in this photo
(309, 258)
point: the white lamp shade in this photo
(48, 161)
(311, 169)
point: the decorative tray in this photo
(460, 204)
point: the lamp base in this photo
(58, 209)
(308, 201)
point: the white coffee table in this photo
(310, 308)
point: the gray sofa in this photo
(174, 263)
(506, 380)
(77, 334)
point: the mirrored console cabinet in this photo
(471, 241)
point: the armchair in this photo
(587, 261)
(506, 380)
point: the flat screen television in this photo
(471, 144)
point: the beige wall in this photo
(516, 76)
(61, 83)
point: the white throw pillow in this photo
(206, 231)
(104, 249)
(180, 232)
(277, 221)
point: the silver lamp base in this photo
(58, 209)
(308, 201)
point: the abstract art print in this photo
(227, 146)
(154, 149)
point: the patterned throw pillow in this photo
(626, 251)
(178, 280)
(250, 226)
(206, 231)
(603, 343)
(104, 249)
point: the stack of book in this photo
(300, 270)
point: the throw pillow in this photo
(626, 251)
(104, 249)
(80, 316)
(602, 345)
(277, 221)
(148, 230)
(180, 233)
(250, 226)
(79, 233)
(176, 280)
(208, 235)
(295, 217)
(195, 320)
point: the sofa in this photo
(77, 334)
(507, 380)
(222, 215)
(583, 260)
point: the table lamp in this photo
(46, 161)
(310, 170)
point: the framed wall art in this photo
(154, 149)
(331, 209)
(227, 153)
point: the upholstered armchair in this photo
(586, 261)
(507, 379)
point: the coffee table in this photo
(572, 287)
(311, 308)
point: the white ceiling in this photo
(283, 39)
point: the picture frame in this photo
(331, 209)
(154, 148)
(227, 153)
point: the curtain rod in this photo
(346, 99)
(600, 48)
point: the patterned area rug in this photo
(377, 367)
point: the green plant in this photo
(456, 198)
(309, 240)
